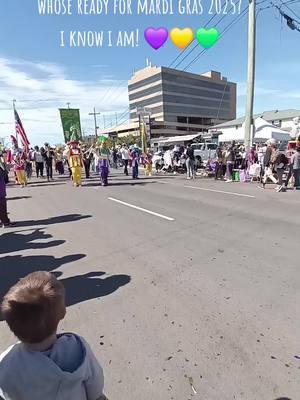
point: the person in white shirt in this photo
(39, 162)
(125, 158)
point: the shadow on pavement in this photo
(18, 198)
(90, 286)
(13, 268)
(16, 241)
(61, 219)
(113, 183)
(283, 398)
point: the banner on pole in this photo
(70, 120)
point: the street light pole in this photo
(251, 74)
(95, 120)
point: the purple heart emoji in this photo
(156, 37)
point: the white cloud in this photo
(41, 88)
(260, 89)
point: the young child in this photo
(45, 365)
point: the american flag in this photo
(20, 131)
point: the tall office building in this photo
(181, 102)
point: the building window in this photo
(182, 120)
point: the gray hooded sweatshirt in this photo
(67, 371)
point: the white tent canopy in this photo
(177, 139)
(263, 131)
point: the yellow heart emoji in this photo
(181, 37)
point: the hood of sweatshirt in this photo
(58, 373)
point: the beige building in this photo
(181, 102)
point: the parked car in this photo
(205, 151)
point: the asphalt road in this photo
(184, 289)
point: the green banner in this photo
(70, 120)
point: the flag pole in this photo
(14, 109)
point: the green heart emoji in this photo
(207, 37)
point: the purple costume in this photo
(103, 171)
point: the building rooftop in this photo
(150, 70)
(272, 115)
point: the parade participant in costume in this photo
(134, 157)
(148, 163)
(103, 157)
(12, 153)
(19, 169)
(75, 162)
(66, 160)
(59, 165)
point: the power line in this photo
(206, 25)
(180, 54)
(237, 19)
(291, 10)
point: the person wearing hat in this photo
(135, 156)
(103, 163)
(75, 162)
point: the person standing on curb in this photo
(190, 162)
(295, 162)
(230, 161)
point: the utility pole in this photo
(68, 104)
(95, 120)
(251, 74)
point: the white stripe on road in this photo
(220, 191)
(141, 209)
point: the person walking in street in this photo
(295, 163)
(4, 220)
(268, 164)
(148, 163)
(103, 161)
(48, 156)
(39, 162)
(135, 158)
(87, 158)
(59, 165)
(75, 162)
(281, 161)
(190, 162)
(125, 158)
(19, 169)
(230, 161)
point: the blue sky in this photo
(42, 76)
